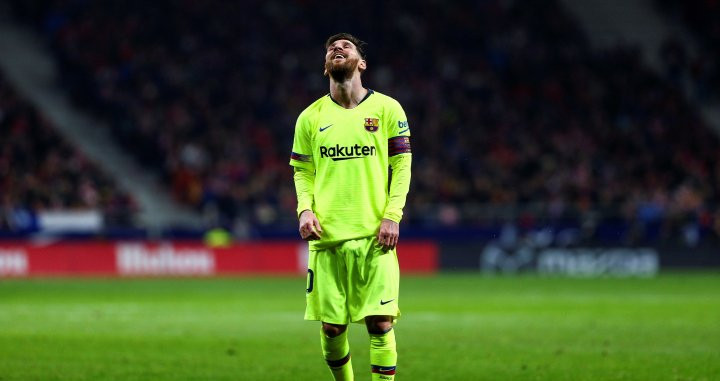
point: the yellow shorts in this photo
(355, 279)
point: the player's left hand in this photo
(388, 234)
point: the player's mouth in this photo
(338, 56)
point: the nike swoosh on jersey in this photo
(383, 302)
(404, 131)
(325, 128)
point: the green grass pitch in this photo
(455, 327)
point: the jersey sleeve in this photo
(398, 131)
(400, 158)
(304, 183)
(398, 123)
(301, 155)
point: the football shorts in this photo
(355, 279)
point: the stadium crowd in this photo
(41, 171)
(513, 114)
(702, 65)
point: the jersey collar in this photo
(370, 92)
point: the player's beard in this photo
(342, 71)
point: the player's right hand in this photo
(310, 229)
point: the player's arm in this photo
(400, 157)
(309, 226)
(400, 163)
(304, 178)
(399, 187)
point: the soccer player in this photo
(350, 209)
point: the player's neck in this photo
(348, 93)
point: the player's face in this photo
(342, 60)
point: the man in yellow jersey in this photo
(350, 210)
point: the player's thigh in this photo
(375, 283)
(381, 267)
(326, 287)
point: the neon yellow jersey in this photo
(349, 151)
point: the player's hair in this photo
(359, 44)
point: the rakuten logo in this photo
(339, 152)
(13, 262)
(138, 259)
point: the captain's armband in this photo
(399, 145)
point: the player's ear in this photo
(325, 72)
(362, 65)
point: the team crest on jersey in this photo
(372, 124)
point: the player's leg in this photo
(373, 297)
(326, 290)
(383, 351)
(336, 350)
(373, 281)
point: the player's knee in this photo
(333, 330)
(378, 325)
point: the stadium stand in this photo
(514, 115)
(40, 171)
